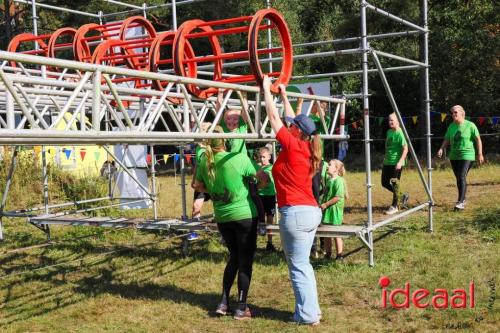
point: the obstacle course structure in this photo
(102, 109)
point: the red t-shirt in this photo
(291, 171)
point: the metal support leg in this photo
(153, 183)
(183, 182)
(8, 182)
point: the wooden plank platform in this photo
(121, 222)
(328, 231)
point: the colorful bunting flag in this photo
(495, 120)
(481, 121)
(176, 158)
(355, 125)
(148, 159)
(37, 150)
(67, 152)
(83, 152)
(414, 118)
(443, 116)
(380, 120)
(165, 158)
(188, 158)
(97, 155)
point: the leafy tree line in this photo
(463, 50)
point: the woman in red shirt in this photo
(299, 159)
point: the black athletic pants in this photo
(461, 169)
(241, 241)
(389, 172)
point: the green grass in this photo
(130, 281)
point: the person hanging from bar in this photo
(225, 176)
(396, 150)
(461, 135)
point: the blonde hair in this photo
(213, 146)
(341, 171)
(458, 107)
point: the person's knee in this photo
(394, 181)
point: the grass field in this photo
(130, 281)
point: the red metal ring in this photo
(148, 27)
(81, 48)
(287, 63)
(25, 37)
(181, 53)
(52, 45)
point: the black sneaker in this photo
(270, 247)
(242, 314)
(222, 309)
(339, 257)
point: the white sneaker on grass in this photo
(460, 205)
(391, 210)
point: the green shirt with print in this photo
(394, 143)
(334, 214)
(229, 189)
(269, 189)
(199, 152)
(236, 145)
(461, 138)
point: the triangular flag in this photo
(148, 158)
(165, 158)
(495, 120)
(354, 125)
(37, 150)
(443, 116)
(67, 152)
(481, 121)
(380, 120)
(490, 121)
(50, 151)
(188, 158)
(176, 157)
(97, 155)
(414, 118)
(83, 152)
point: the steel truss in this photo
(87, 99)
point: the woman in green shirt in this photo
(225, 176)
(396, 150)
(461, 136)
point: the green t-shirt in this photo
(199, 152)
(236, 145)
(229, 189)
(319, 124)
(335, 213)
(269, 189)
(394, 143)
(461, 138)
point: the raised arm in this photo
(288, 107)
(298, 109)
(272, 111)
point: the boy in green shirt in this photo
(396, 150)
(267, 194)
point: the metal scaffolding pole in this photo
(367, 140)
(425, 95)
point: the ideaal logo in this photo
(422, 298)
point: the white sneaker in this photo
(460, 206)
(391, 210)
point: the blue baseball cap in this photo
(304, 123)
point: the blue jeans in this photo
(297, 229)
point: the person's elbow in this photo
(199, 186)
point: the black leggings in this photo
(461, 169)
(390, 180)
(241, 240)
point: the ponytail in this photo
(213, 146)
(316, 149)
(341, 171)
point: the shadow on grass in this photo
(93, 286)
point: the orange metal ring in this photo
(25, 37)
(181, 53)
(287, 63)
(52, 45)
(81, 48)
(148, 27)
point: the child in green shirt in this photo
(333, 204)
(267, 194)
